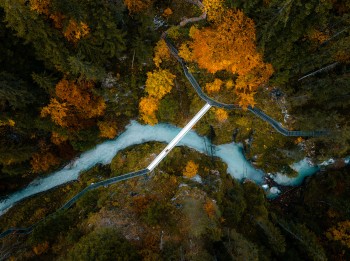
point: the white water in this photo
(237, 166)
(304, 169)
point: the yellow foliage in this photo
(298, 140)
(159, 83)
(40, 6)
(9, 122)
(57, 138)
(107, 129)
(161, 52)
(214, 86)
(41, 248)
(190, 170)
(214, 9)
(193, 31)
(340, 233)
(43, 161)
(148, 107)
(229, 84)
(246, 99)
(221, 115)
(185, 52)
(167, 12)
(75, 31)
(136, 6)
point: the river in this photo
(231, 153)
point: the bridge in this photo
(113, 180)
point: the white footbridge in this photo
(178, 137)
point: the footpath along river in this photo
(231, 153)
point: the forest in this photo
(74, 73)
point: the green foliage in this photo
(306, 238)
(84, 69)
(84, 139)
(234, 204)
(15, 154)
(156, 212)
(88, 203)
(46, 82)
(274, 236)
(53, 226)
(14, 91)
(137, 157)
(240, 248)
(105, 40)
(103, 244)
(298, 37)
(168, 109)
(255, 199)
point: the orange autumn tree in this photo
(57, 111)
(221, 115)
(167, 12)
(210, 209)
(190, 170)
(148, 107)
(74, 103)
(75, 31)
(229, 44)
(213, 86)
(79, 94)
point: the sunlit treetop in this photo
(159, 83)
(221, 115)
(230, 44)
(148, 107)
(190, 169)
(185, 52)
(167, 12)
(74, 101)
(161, 53)
(214, 9)
(214, 86)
